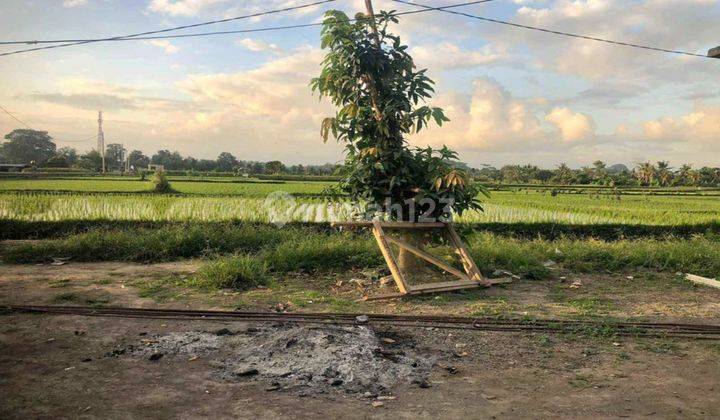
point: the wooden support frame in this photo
(470, 278)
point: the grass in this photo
(311, 249)
(700, 254)
(240, 272)
(73, 298)
(153, 245)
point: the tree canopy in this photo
(380, 94)
(27, 146)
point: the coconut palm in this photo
(645, 173)
(682, 176)
(563, 174)
(663, 173)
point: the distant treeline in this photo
(37, 149)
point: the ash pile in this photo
(304, 359)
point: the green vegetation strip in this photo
(254, 253)
(24, 229)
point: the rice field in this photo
(243, 188)
(518, 230)
(296, 202)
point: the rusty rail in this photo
(644, 329)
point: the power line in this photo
(176, 28)
(15, 118)
(550, 31)
(138, 37)
(30, 128)
(93, 137)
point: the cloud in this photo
(182, 7)
(687, 25)
(164, 44)
(268, 112)
(573, 126)
(89, 101)
(274, 88)
(258, 45)
(93, 95)
(490, 118)
(73, 3)
(702, 125)
(447, 56)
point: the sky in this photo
(513, 96)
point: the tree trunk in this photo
(408, 263)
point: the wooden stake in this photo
(703, 280)
(465, 256)
(389, 257)
(428, 257)
(471, 279)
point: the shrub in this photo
(160, 182)
(239, 272)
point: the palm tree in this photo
(695, 177)
(682, 176)
(664, 173)
(600, 173)
(563, 174)
(645, 173)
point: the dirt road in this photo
(71, 366)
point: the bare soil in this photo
(88, 367)
(67, 366)
(646, 295)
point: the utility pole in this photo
(374, 97)
(127, 161)
(122, 157)
(101, 140)
(373, 24)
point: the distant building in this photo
(152, 167)
(13, 167)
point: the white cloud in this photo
(73, 3)
(702, 125)
(687, 25)
(573, 126)
(268, 112)
(446, 55)
(182, 7)
(488, 119)
(165, 45)
(258, 45)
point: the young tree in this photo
(368, 74)
(68, 153)
(27, 146)
(275, 167)
(170, 160)
(226, 162)
(91, 160)
(57, 161)
(114, 156)
(138, 160)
